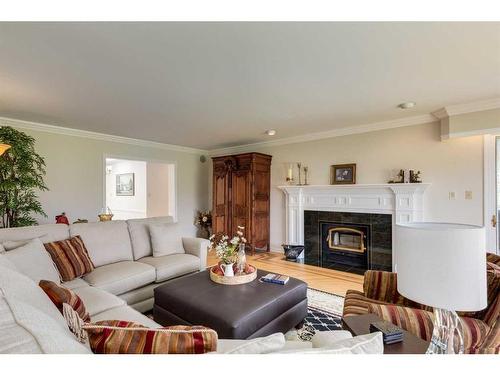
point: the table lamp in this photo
(444, 266)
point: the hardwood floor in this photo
(331, 281)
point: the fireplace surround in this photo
(403, 203)
(347, 241)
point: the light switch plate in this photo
(468, 194)
(451, 195)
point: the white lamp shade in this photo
(442, 265)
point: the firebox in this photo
(345, 246)
(348, 241)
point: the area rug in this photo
(324, 313)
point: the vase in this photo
(242, 259)
(227, 269)
(203, 233)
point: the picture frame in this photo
(125, 185)
(341, 174)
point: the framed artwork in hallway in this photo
(125, 184)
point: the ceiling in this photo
(212, 85)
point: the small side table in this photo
(360, 325)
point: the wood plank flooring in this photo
(331, 281)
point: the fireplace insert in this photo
(348, 241)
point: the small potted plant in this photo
(203, 221)
(227, 249)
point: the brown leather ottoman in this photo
(235, 311)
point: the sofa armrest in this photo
(197, 247)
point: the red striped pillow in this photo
(60, 295)
(120, 337)
(70, 257)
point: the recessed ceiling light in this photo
(407, 105)
(271, 132)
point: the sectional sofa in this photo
(119, 288)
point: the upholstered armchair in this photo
(380, 297)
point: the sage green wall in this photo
(75, 175)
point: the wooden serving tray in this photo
(233, 280)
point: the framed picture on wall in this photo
(125, 184)
(343, 174)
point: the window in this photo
(139, 189)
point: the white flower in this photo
(204, 219)
(239, 233)
(244, 240)
(235, 241)
(240, 227)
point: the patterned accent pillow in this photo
(60, 295)
(120, 337)
(70, 257)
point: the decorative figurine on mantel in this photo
(299, 166)
(406, 176)
(415, 177)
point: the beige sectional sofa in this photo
(120, 287)
(126, 271)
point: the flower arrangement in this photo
(203, 219)
(227, 249)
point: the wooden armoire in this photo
(241, 197)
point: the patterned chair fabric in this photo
(420, 323)
(380, 289)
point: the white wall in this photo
(133, 206)
(452, 165)
(75, 173)
(158, 189)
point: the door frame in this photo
(105, 156)
(489, 191)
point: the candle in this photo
(289, 174)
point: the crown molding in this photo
(460, 109)
(28, 125)
(398, 123)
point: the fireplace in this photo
(347, 241)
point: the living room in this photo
(223, 188)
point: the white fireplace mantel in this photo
(403, 201)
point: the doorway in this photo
(136, 189)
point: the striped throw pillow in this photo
(120, 337)
(70, 257)
(60, 295)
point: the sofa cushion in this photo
(126, 313)
(121, 277)
(46, 232)
(50, 336)
(32, 260)
(170, 266)
(70, 257)
(363, 344)
(139, 295)
(260, 345)
(97, 300)
(139, 234)
(14, 338)
(32, 310)
(26, 290)
(166, 239)
(122, 337)
(107, 242)
(75, 284)
(59, 295)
